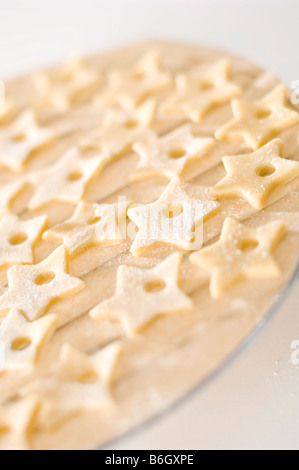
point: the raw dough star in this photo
(60, 90)
(240, 253)
(17, 143)
(143, 294)
(175, 218)
(17, 422)
(66, 180)
(130, 87)
(23, 340)
(32, 289)
(91, 225)
(256, 175)
(257, 122)
(97, 368)
(200, 92)
(171, 154)
(121, 130)
(83, 384)
(18, 239)
(8, 192)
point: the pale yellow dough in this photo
(103, 330)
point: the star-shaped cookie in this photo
(170, 155)
(129, 87)
(144, 294)
(241, 253)
(23, 340)
(19, 141)
(175, 218)
(91, 225)
(121, 130)
(83, 383)
(18, 239)
(258, 122)
(98, 368)
(17, 421)
(66, 180)
(60, 90)
(32, 289)
(256, 175)
(201, 91)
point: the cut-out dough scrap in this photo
(82, 383)
(200, 92)
(17, 422)
(170, 154)
(21, 139)
(60, 90)
(91, 225)
(32, 289)
(144, 294)
(130, 87)
(256, 175)
(175, 218)
(18, 239)
(241, 253)
(123, 130)
(66, 180)
(8, 192)
(258, 122)
(23, 340)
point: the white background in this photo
(253, 403)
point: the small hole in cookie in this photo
(155, 286)
(266, 170)
(138, 76)
(89, 378)
(206, 86)
(19, 137)
(171, 212)
(20, 344)
(247, 245)
(263, 113)
(18, 239)
(45, 278)
(75, 176)
(131, 124)
(94, 220)
(177, 153)
(4, 430)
